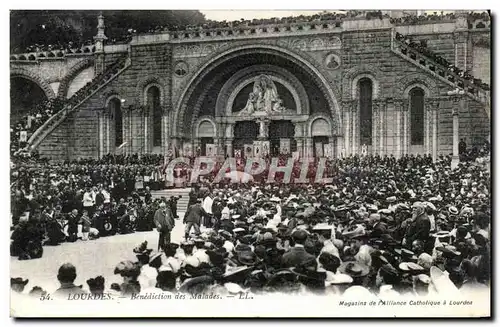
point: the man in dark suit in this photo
(297, 255)
(419, 226)
(193, 217)
(164, 224)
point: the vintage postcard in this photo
(197, 163)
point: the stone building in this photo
(320, 88)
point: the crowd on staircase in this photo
(421, 47)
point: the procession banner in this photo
(284, 146)
(319, 149)
(248, 150)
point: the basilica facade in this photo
(326, 89)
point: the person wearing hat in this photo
(419, 227)
(192, 218)
(17, 284)
(164, 222)
(96, 285)
(387, 281)
(66, 277)
(296, 255)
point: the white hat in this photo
(335, 279)
(442, 282)
(233, 288)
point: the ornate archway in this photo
(184, 112)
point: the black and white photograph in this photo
(237, 163)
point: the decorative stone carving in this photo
(264, 98)
(316, 44)
(332, 61)
(181, 68)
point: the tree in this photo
(30, 27)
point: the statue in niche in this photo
(263, 98)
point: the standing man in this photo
(207, 207)
(462, 146)
(89, 201)
(193, 217)
(164, 224)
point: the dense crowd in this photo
(383, 226)
(425, 18)
(70, 47)
(421, 47)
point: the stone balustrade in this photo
(53, 54)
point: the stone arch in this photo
(353, 76)
(62, 91)
(35, 78)
(320, 116)
(247, 75)
(217, 59)
(201, 120)
(408, 82)
(144, 84)
(110, 96)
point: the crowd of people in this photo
(421, 47)
(425, 18)
(384, 226)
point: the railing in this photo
(77, 99)
(52, 54)
(479, 92)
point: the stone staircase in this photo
(478, 92)
(82, 95)
(167, 193)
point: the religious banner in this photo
(284, 146)
(237, 153)
(296, 155)
(23, 136)
(248, 150)
(187, 150)
(257, 149)
(210, 150)
(364, 150)
(328, 148)
(319, 149)
(265, 148)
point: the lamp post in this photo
(458, 104)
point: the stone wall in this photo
(363, 53)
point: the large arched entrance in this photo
(25, 96)
(310, 95)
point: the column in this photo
(354, 125)
(375, 127)
(101, 132)
(299, 137)
(455, 111)
(427, 128)
(108, 123)
(405, 110)
(347, 124)
(309, 147)
(434, 131)
(229, 147)
(397, 107)
(381, 113)
(146, 132)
